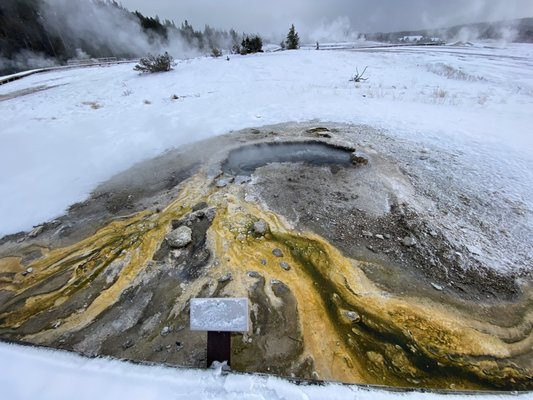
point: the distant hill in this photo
(518, 30)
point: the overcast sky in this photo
(273, 17)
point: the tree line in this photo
(32, 25)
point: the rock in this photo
(260, 227)
(277, 252)
(200, 206)
(263, 261)
(366, 234)
(433, 233)
(127, 344)
(409, 241)
(436, 287)
(166, 330)
(240, 180)
(210, 213)
(387, 236)
(29, 270)
(380, 236)
(36, 231)
(223, 182)
(318, 129)
(179, 237)
(353, 316)
(285, 265)
(225, 278)
(241, 237)
(175, 254)
(358, 158)
(372, 249)
(253, 274)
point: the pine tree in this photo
(293, 41)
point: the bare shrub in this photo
(358, 77)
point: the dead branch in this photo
(359, 76)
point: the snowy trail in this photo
(31, 373)
(57, 145)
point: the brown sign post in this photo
(219, 317)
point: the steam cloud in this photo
(89, 25)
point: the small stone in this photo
(180, 237)
(166, 330)
(223, 182)
(366, 234)
(127, 344)
(358, 158)
(409, 241)
(29, 270)
(372, 249)
(379, 236)
(253, 274)
(263, 261)
(285, 265)
(200, 206)
(387, 236)
(353, 316)
(241, 237)
(56, 324)
(260, 227)
(36, 231)
(277, 252)
(225, 278)
(433, 233)
(436, 287)
(175, 254)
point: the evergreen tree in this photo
(251, 44)
(293, 40)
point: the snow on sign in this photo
(219, 314)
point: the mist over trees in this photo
(36, 33)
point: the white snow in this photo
(219, 314)
(36, 373)
(57, 145)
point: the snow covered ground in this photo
(63, 132)
(32, 373)
(86, 124)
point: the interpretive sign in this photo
(219, 317)
(219, 314)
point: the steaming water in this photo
(245, 160)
